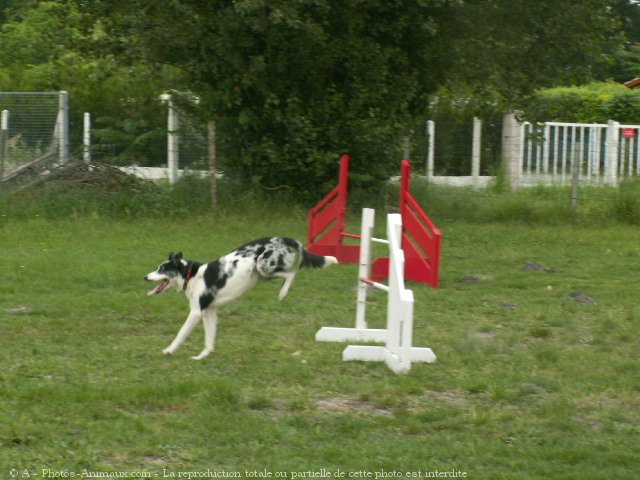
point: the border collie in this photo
(211, 285)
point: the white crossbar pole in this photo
(380, 240)
(377, 285)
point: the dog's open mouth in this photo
(158, 288)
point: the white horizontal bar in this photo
(380, 240)
(377, 285)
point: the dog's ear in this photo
(175, 259)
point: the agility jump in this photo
(397, 351)
(420, 237)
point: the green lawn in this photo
(532, 380)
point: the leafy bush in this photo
(593, 103)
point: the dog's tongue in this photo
(158, 288)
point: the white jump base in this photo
(397, 351)
(359, 335)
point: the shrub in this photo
(593, 103)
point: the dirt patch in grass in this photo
(449, 398)
(349, 405)
(343, 404)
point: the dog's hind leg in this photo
(210, 320)
(288, 280)
(185, 330)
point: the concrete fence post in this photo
(86, 138)
(431, 134)
(611, 165)
(4, 136)
(63, 130)
(512, 142)
(475, 150)
(173, 152)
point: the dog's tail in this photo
(316, 261)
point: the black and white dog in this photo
(211, 285)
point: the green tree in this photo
(626, 59)
(507, 49)
(294, 84)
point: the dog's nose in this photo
(146, 277)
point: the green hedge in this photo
(592, 103)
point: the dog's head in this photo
(168, 273)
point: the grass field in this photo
(535, 329)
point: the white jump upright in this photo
(397, 351)
(361, 332)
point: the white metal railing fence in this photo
(34, 127)
(555, 152)
(629, 151)
(552, 153)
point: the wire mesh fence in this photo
(192, 144)
(33, 129)
(450, 144)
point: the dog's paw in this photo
(201, 355)
(167, 351)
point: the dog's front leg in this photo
(210, 319)
(185, 330)
(288, 280)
